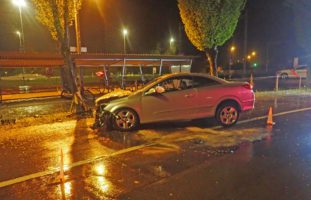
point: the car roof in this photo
(193, 74)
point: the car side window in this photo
(203, 82)
(176, 84)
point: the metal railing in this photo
(274, 83)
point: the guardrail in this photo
(274, 83)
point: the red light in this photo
(100, 74)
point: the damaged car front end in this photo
(103, 118)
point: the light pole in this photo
(232, 50)
(77, 27)
(18, 33)
(125, 33)
(172, 40)
(20, 4)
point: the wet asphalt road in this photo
(163, 161)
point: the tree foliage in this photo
(210, 23)
(51, 14)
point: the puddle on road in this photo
(172, 141)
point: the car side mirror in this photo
(151, 91)
(156, 90)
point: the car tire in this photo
(125, 119)
(284, 76)
(227, 114)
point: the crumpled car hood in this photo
(116, 94)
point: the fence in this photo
(31, 80)
(275, 83)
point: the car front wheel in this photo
(227, 114)
(126, 119)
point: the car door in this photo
(208, 92)
(175, 103)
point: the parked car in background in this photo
(296, 72)
(174, 97)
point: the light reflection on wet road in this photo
(180, 152)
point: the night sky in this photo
(150, 24)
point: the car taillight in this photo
(248, 86)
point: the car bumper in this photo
(248, 104)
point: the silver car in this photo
(174, 97)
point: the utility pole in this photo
(245, 41)
(77, 27)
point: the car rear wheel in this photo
(228, 114)
(126, 119)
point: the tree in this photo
(209, 24)
(57, 16)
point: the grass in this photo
(292, 92)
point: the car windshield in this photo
(149, 84)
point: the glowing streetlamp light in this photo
(172, 40)
(254, 53)
(20, 4)
(232, 49)
(125, 33)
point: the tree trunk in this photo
(211, 55)
(70, 67)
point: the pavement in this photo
(193, 160)
(10, 97)
(40, 94)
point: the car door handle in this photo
(189, 95)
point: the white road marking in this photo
(123, 151)
(274, 115)
(75, 164)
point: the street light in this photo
(254, 53)
(172, 40)
(18, 33)
(232, 50)
(172, 50)
(20, 4)
(125, 33)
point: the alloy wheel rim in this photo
(228, 115)
(125, 119)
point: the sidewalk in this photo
(7, 97)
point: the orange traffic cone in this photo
(270, 120)
(61, 175)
